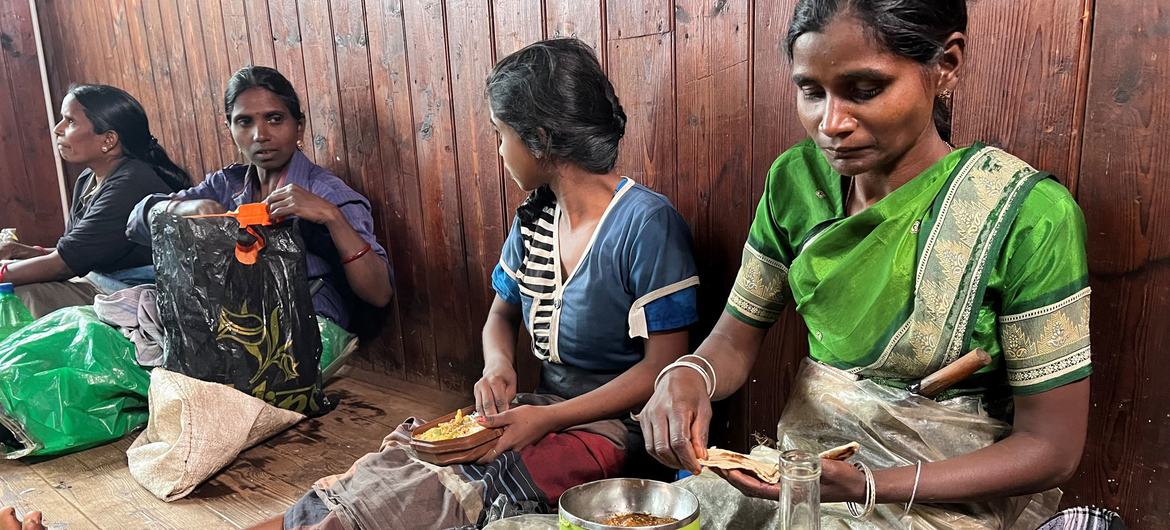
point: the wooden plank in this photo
(237, 33)
(714, 130)
(219, 69)
(206, 96)
(23, 489)
(442, 221)
(260, 37)
(290, 59)
(1014, 48)
(167, 119)
(175, 72)
(243, 495)
(516, 23)
(1125, 192)
(383, 353)
(328, 139)
(642, 71)
(394, 115)
(478, 163)
(99, 484)
(628, 20)
(575, 19)
(27, 171)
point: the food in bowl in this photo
(458, 427)
(635, 520)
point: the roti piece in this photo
(724, 459)
(766, 472)
(842, 452)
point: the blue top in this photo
(636, 276)
(235, 185)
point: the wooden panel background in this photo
(30, 196)
(393, 92)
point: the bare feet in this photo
(8, 520)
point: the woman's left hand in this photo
(523, 426)
(749, 485)
(840, 482)
(293, 200)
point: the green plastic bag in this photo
(69, 382)
(336, 346)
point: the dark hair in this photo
(269, 79)
(112, 109)
(554, 94)
(914, 29)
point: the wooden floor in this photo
(94, 489)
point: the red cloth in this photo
(560, 461)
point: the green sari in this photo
(979, 251)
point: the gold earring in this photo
(301, 145)
(946, 95)
(105, 149)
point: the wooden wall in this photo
(30, 194)
(393, 91)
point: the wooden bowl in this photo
(456, 450)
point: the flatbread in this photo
(766, 472)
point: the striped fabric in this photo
(537, 278)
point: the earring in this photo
(946, 95)
(105, 149)
(300, 145)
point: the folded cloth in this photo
(135, 312)
(195, 429)
(1084, 518)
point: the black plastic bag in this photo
(251, 327)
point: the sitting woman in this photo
(597, 268)
(106, 130)
(266, 122)
(901, 253)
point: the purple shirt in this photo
(235, 185)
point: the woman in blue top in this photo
(597, 268)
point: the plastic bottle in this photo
(13, 314)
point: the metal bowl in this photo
(582, 507)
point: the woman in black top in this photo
(106, 130)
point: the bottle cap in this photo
(7, 288)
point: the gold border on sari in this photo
(1046, 343)
(948, 280)
(759, 287)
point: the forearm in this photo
(369, 275)
(731, 348)
(22, 251)
(625, 393)
(47, 268)
(499, 342)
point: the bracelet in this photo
(693, 366)
(914, 492)
(862, 512)
(3, 272)
(358, 255)
(714, 378)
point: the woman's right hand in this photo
(677, 419)
(495, 390)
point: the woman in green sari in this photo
(901, 253)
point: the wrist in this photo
(334, 219)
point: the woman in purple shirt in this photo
(266, 122)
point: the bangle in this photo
(914, 492)
(714, 378)
(358, 255)
(692, 366)
(858, 511)
(3, 272)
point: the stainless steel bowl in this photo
(583, 506)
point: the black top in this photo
(95, 237)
